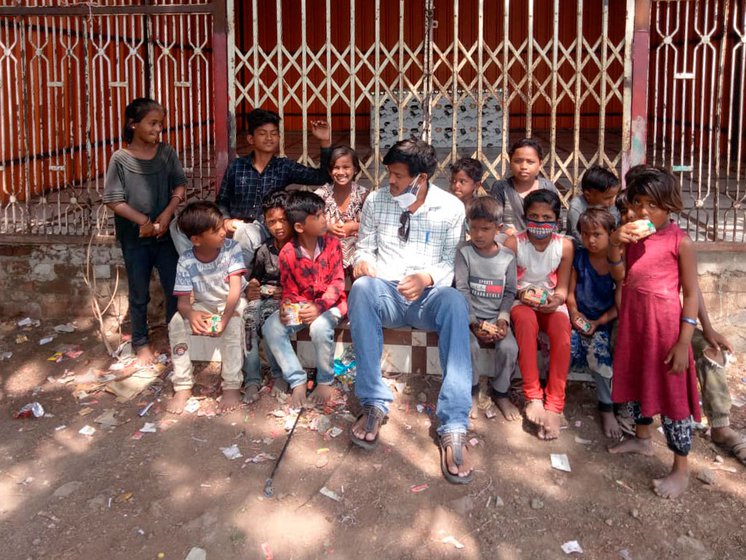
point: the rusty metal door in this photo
(66, 75)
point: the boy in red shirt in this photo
(312, 279)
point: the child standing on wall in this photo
(658, 377)
(486, 276)
(525, 167)
(544, 261)
(590, 302)
(343, 199)
(145, 183)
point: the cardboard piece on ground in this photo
(132, 386)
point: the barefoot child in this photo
(590, 302)
(209, 286)
(486, 276)
(657, 376)
(466, 179)
(600, 188)
(525, 166)
(144, 185)
(313, 296)
(544, 260)
(344, 200)
(264, 293)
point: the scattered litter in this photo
(560, 462)
(290, 421)
(5, 356)
(420, 408)
(738, 401)
(145, 409)
(191, 406)
(60, 428)
(706, 476)
(335, 431)
(28, 322)
(137, 435)
(419, 488)
(450, 539)
(490, 413)
(330, 494)
(323, 424)
(717, 467)
(578, 423)
(231, 452)
(107, 418)
(624, 554)
(46, 340)
(572, 546)
(260, 458)
(473, 442)
(30, 410)
(66, 328)
(56, 357)
(197, 554)
(87, 430)
(124, 350)
(128, 388)
(322, 450)
(278, 413)
(21, 338)
(267, 551)
(124, 497)
(85, 411)
(582, 441)
(149, 428)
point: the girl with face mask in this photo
(544, 261)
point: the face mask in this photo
(408, 197)
(540, 230)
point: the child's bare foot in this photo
(535, 412)
(145, 356)
(610, 426)
(298, 396)
(231, 399)
(321, 394)
(508, 409)
(176, 404)
(551, 428)
(279, 388)
(465, 468)
(251, 394)
(634, 445)
(676, 483)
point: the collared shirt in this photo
(436, 228)
(319, 280)
(243, 187)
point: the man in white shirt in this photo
(404, 267)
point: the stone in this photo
(67, 489)
(536, 503)
(634, 513)
(462, 505)
(706, 476)
(422, 397)
(197, 554)
(691, 549)
(323, 424)
(99, 502)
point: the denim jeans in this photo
(139, 260)
(375, 304)
(252, 367)
(277, 337)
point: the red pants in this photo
(526, 325)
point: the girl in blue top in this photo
(592, 310)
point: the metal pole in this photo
(220, 79)
(640, 62)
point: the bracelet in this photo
(689, 321)
(615, 263)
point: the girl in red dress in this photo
(653, 366)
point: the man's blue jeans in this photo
(277, 337)
(375, 304)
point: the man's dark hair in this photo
(547, 197)
(472, 167)
(198, 217)
(301, 204)
(594, 217)
(276, 199)
(598, 178)
(260, 117)
(135, 112)
(527, 143)
(485, 208)
(657, 183)
(342, 151)
(417, 155)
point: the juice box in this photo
(582, 324)
(292, 312)
(644, 228)
(214, 322)
(267, 290)
(534, 295)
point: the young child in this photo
(486, 276)
(344, 200)
(590, 302)
(250, 178)
(466, 179)
(209, 285)
(657, 376)
(525, 165)
(144, 185)
(544, 260)
(312, 279)
(264, 293)
(600, 188)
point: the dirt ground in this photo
(64, 495)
